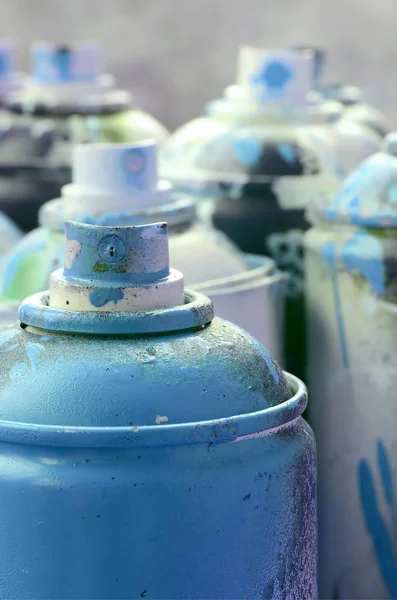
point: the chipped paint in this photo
(161, 419)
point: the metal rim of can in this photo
(262, 273)
(229, 429)
(197, 311)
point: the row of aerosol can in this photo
(150, 449)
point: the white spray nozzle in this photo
(114, 177)
(284, 77)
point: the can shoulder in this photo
(103, 381)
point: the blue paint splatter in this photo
(328, 253)
(247, 150)
(17, 370)
(376, 527)
(101, 297)
(273, 78)
(354, 203)
(6, 335)
(33, 350)
(363, 253)
(12, 347)
(288, 153)
(134, 163)
(392, 194)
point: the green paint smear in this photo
(31, 276)
(100, 267)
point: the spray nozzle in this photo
(60, 64)
(285, 77)
(116, 269)
(114, 177)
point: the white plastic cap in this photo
(112, 177)
(390, 144)
(55, 64)
(114, 167)
(285, 77)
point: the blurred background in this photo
(175, 55)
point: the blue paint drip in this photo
(101, 297)
(363, 253)
(385, 472)
(392, 194)
(33, 350)
(328, 253)
(61, 60)
(247, 150)
(376, 527)
(287, 152)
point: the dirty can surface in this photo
(352, 327)
(173, 463)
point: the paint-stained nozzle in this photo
(285, 77)
(114, 177)
(57, 64)
(116, 269)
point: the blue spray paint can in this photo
(147, 449)
(66, 100)
(263, 152)
(118, 184)
(352, 328)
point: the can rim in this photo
(229, 429)
(196, 311)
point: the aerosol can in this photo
(147, 449)
(66, 100)
(263, 152)
(352, 326)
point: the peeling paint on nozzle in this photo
(135, 411)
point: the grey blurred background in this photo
(175, 55)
